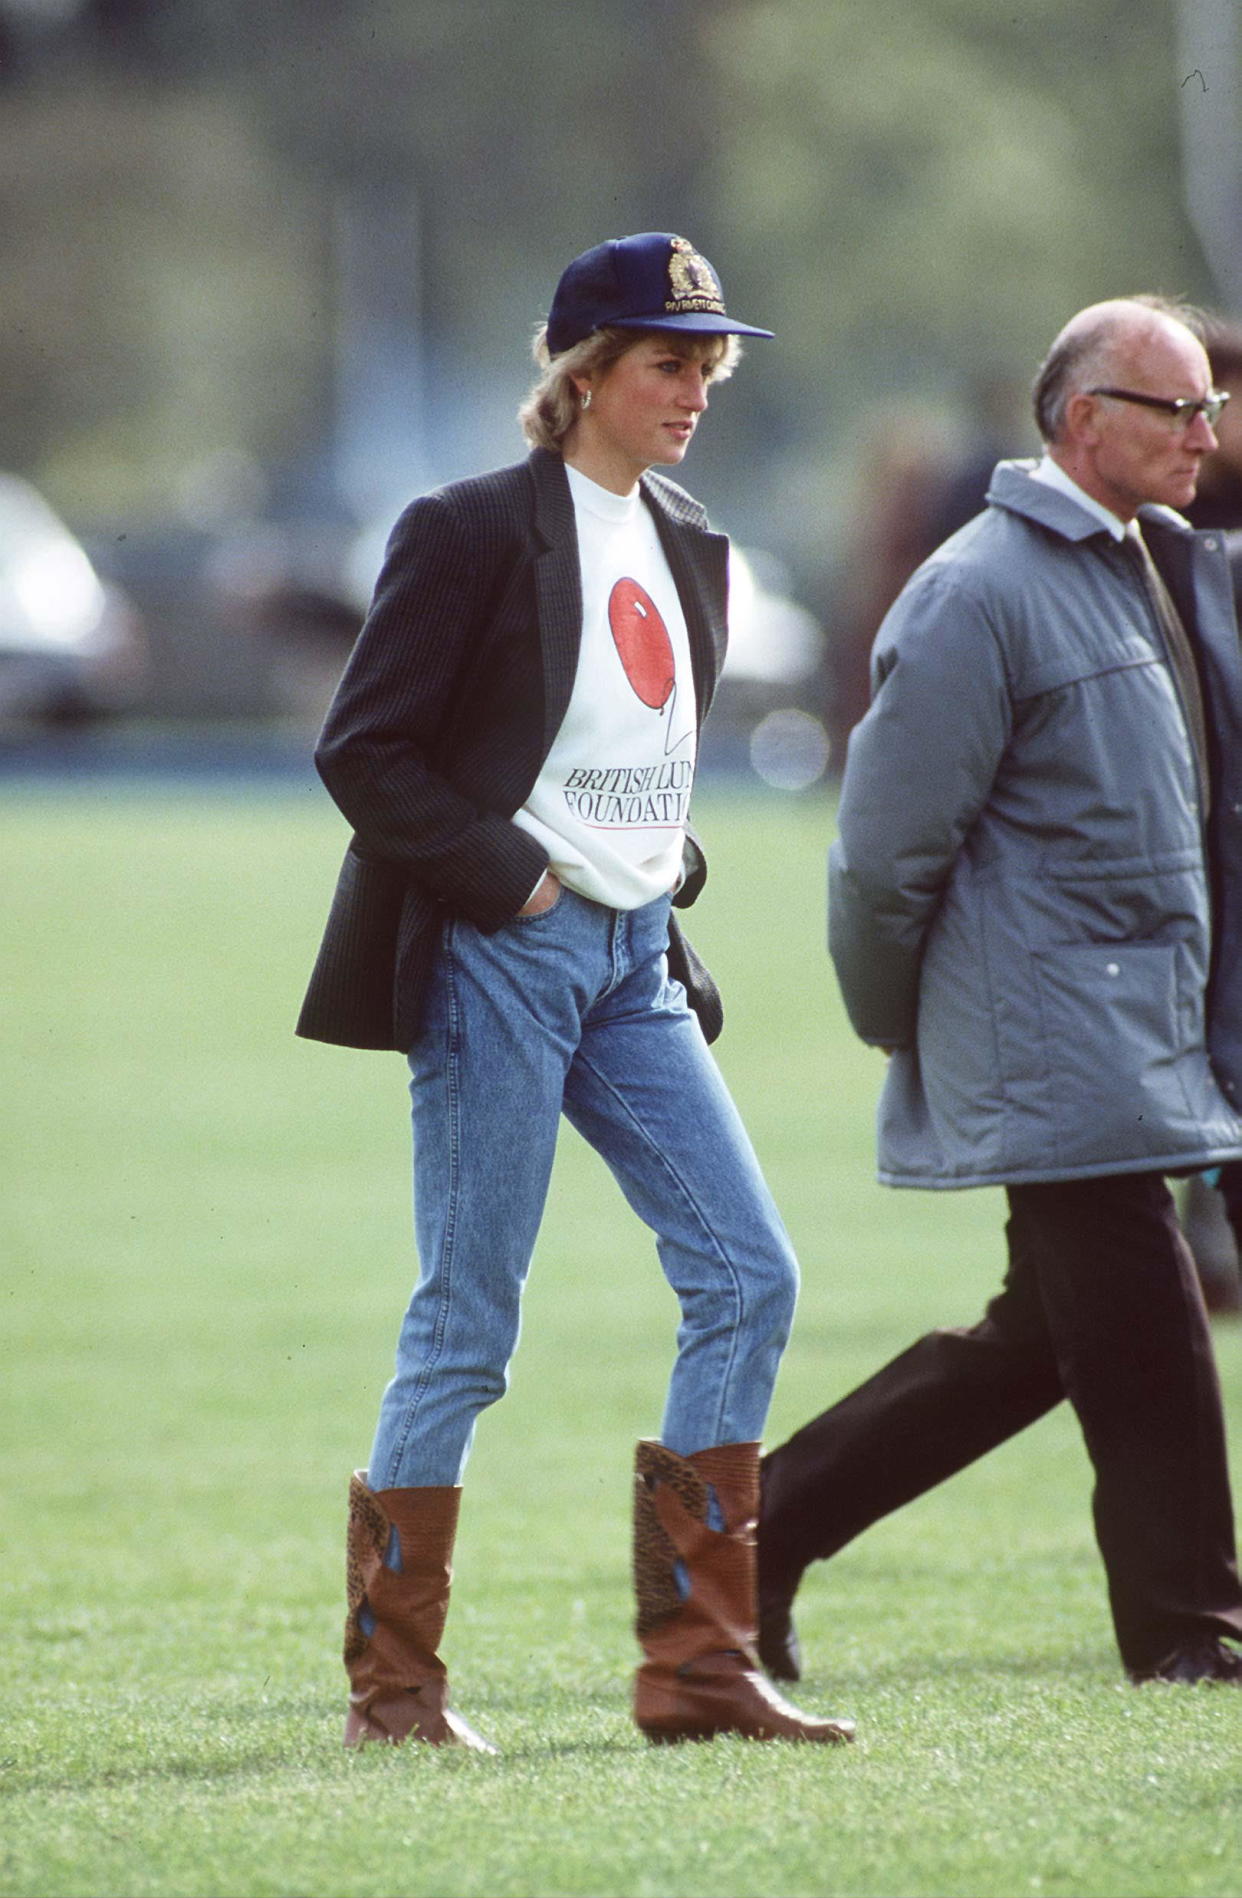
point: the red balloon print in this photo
(642, 643)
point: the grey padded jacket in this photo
(1024, 898)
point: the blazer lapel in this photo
(699, 563)
(558, 588)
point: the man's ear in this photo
(1081, 419)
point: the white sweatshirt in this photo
(611, 802)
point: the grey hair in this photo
(1082, 354)
(554, 405)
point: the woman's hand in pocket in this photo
(543, 896)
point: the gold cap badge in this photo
(692, 282)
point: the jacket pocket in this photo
(350, 997)
(1117, 1038)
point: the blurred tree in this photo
(159, 278)
(937, 184)
(525, 133)
(8, 53)
(1210, 61)
(901, 188)
(126, 30)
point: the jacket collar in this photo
(1014, 488)
(554, 504)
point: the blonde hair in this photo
(554, 404)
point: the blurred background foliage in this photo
(249, 246)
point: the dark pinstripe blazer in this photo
(447, 709)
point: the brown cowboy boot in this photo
(694, 1577)
(398, 1568)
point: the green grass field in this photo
(206, 1253)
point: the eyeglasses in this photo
(1183, 408)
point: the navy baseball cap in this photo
(653, 281)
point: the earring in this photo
(586, 400)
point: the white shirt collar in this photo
(1053, 475)
(601, 501)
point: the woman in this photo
(513, 743)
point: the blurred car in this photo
(767, 712)
(303, 589)
(71, 646)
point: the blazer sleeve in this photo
(378, 749)
(919, 770)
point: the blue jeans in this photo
(572, 1011)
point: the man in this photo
(1212, 1221)
(1036, 907)
(1218, 498)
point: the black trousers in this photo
(1101, 1305)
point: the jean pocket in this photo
(538, 915)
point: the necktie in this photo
(1179, 652)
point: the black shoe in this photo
(776, 1637)
(778, 1644)
(1205, 1660)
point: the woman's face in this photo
(643, 411)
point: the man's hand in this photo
(545, 894)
